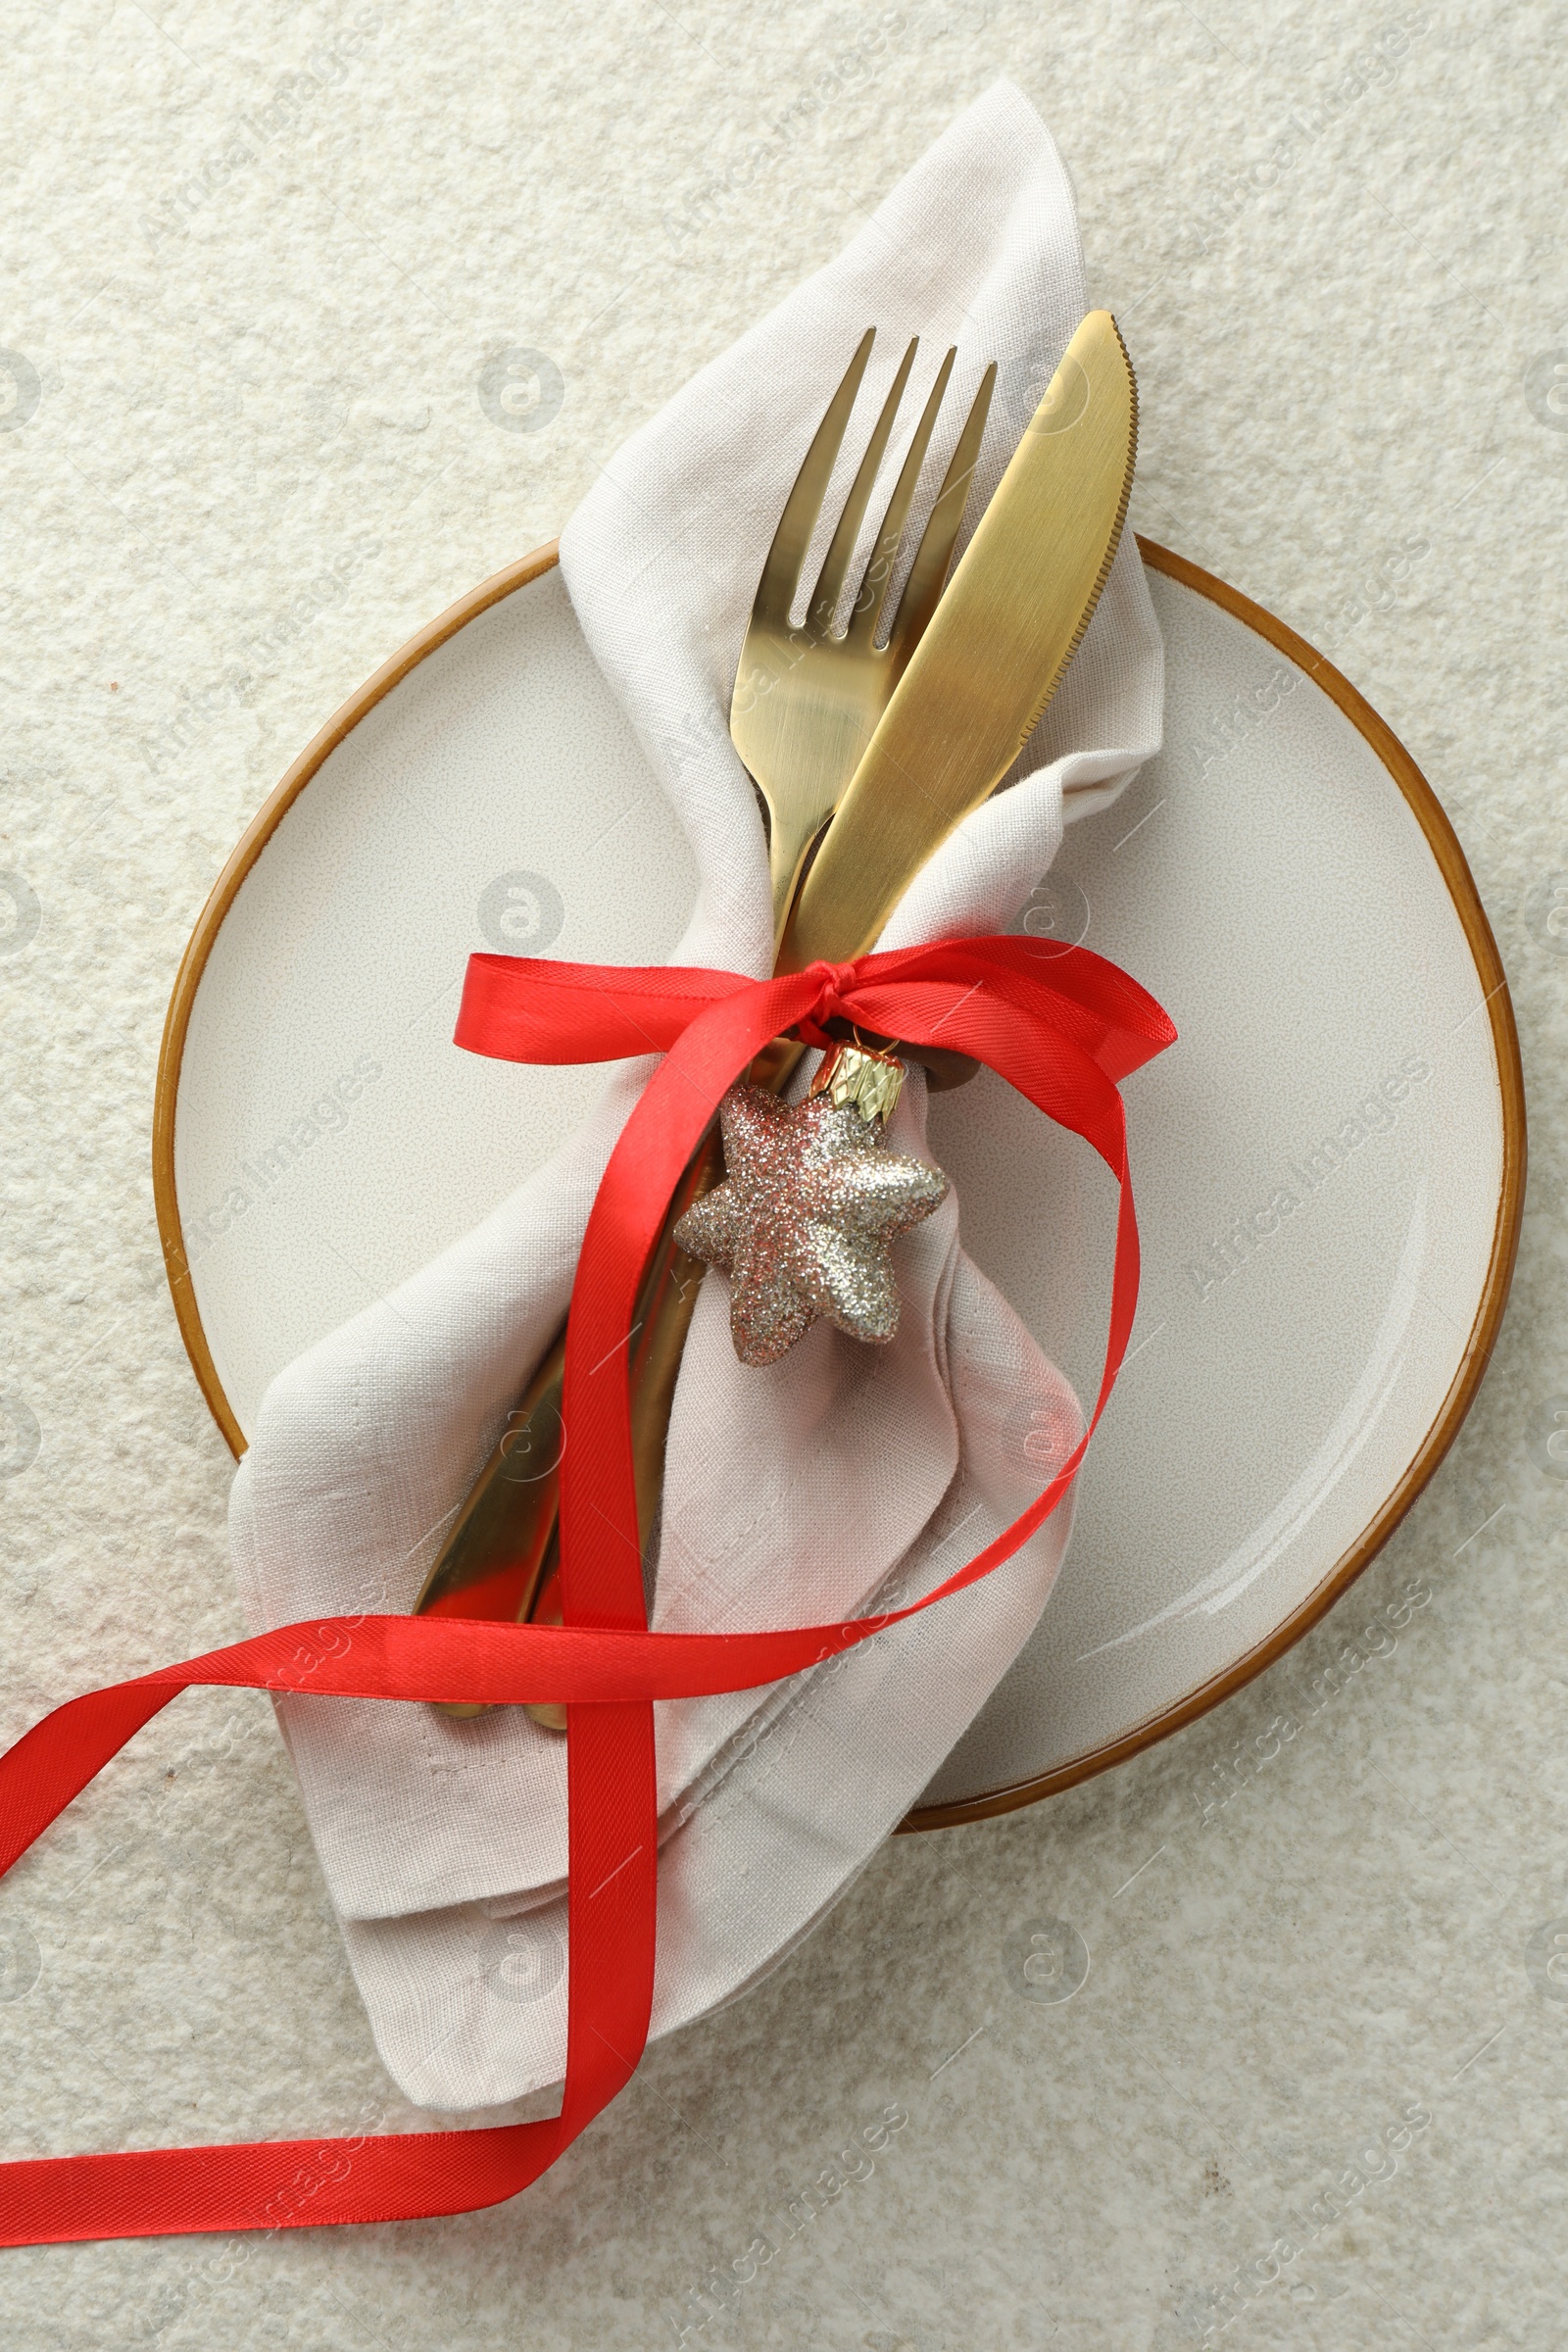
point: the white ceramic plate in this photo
(1329, 1166)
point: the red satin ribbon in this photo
(1063, 1027)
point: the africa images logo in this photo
(265, 1168)
(1374, 1114)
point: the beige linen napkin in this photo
(810, 1490)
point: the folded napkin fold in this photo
(798, 1494)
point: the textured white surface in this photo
(1341, 265)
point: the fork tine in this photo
(868, 612)
(836, 565)
(932, 557)
(781, 574)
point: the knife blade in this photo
(993, 655)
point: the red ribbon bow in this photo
(1062, 1026)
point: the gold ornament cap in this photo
(854, 1074)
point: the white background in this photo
(255, 442)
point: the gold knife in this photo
(992, 654)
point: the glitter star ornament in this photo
(810, 1204)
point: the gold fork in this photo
(806, 701)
